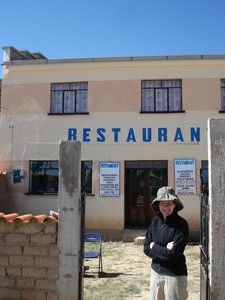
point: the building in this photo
(142, 122)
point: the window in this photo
(69, 98)
(223, 94)
(86, 177)
(44, 177)
(161, 96)
(204, 177)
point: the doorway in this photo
(142, 180)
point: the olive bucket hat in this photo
(166, 193)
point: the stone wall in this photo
(29, 257)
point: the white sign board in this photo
(109, 174)
(185, 176)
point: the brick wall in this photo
(29, 259)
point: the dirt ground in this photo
(127, 272)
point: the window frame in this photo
(161, 87)
(222, 88)
(45, 191)
(64, 91)
(82, 183)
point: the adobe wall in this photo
(29, 258)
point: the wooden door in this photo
(142, 180)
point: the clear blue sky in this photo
(106, 28)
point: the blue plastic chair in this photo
(97, 239)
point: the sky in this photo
(112, 28)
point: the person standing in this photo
(165, 242)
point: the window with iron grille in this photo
(161, 96)
(223, 95)
(69, 98)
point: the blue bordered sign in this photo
(109, 179)
(185, 176)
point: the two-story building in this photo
(142, 122)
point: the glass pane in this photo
(204, 164)
(151, 84)
(38, 184)
(175, 99)
(69, 102)
(156, 177)
(54, 164)
(79, 86)
(57, 101)
(153, 192)
(131, 165)
(52, 183)
(86, 177)
(138, 188)
(171, 83)
(82, 101)
(223, 99)
(161, 100)
(36, 166)
(60, 86)
(162, 164)
(44, 179)
(147, 100)
(222, 82)
(145, 164)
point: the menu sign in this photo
(185, 176)
(109, 185)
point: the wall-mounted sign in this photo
(135, 135)
(109, 175)
(185, 176)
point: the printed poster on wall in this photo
(185, 176)
(109, 174)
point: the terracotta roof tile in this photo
(27, 218)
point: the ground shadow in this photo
(104, 275)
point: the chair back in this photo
(92, 237)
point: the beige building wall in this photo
(28, 132)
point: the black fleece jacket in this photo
(161, 232)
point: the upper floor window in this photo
(161, 96)
(69, 98)
(223, 94)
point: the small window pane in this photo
(171, 83)
(156, 177)
(223, 99)
(60, 86)
(86, 177)
(151, 83)
(175, 99)
(69, 101)
(81, 101)
(147, 100)
(57, 101)
(79, 86)
(223, 82)
(161, 100)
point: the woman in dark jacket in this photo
(165, 242)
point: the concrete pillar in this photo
(216, 153)
(69, 230)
